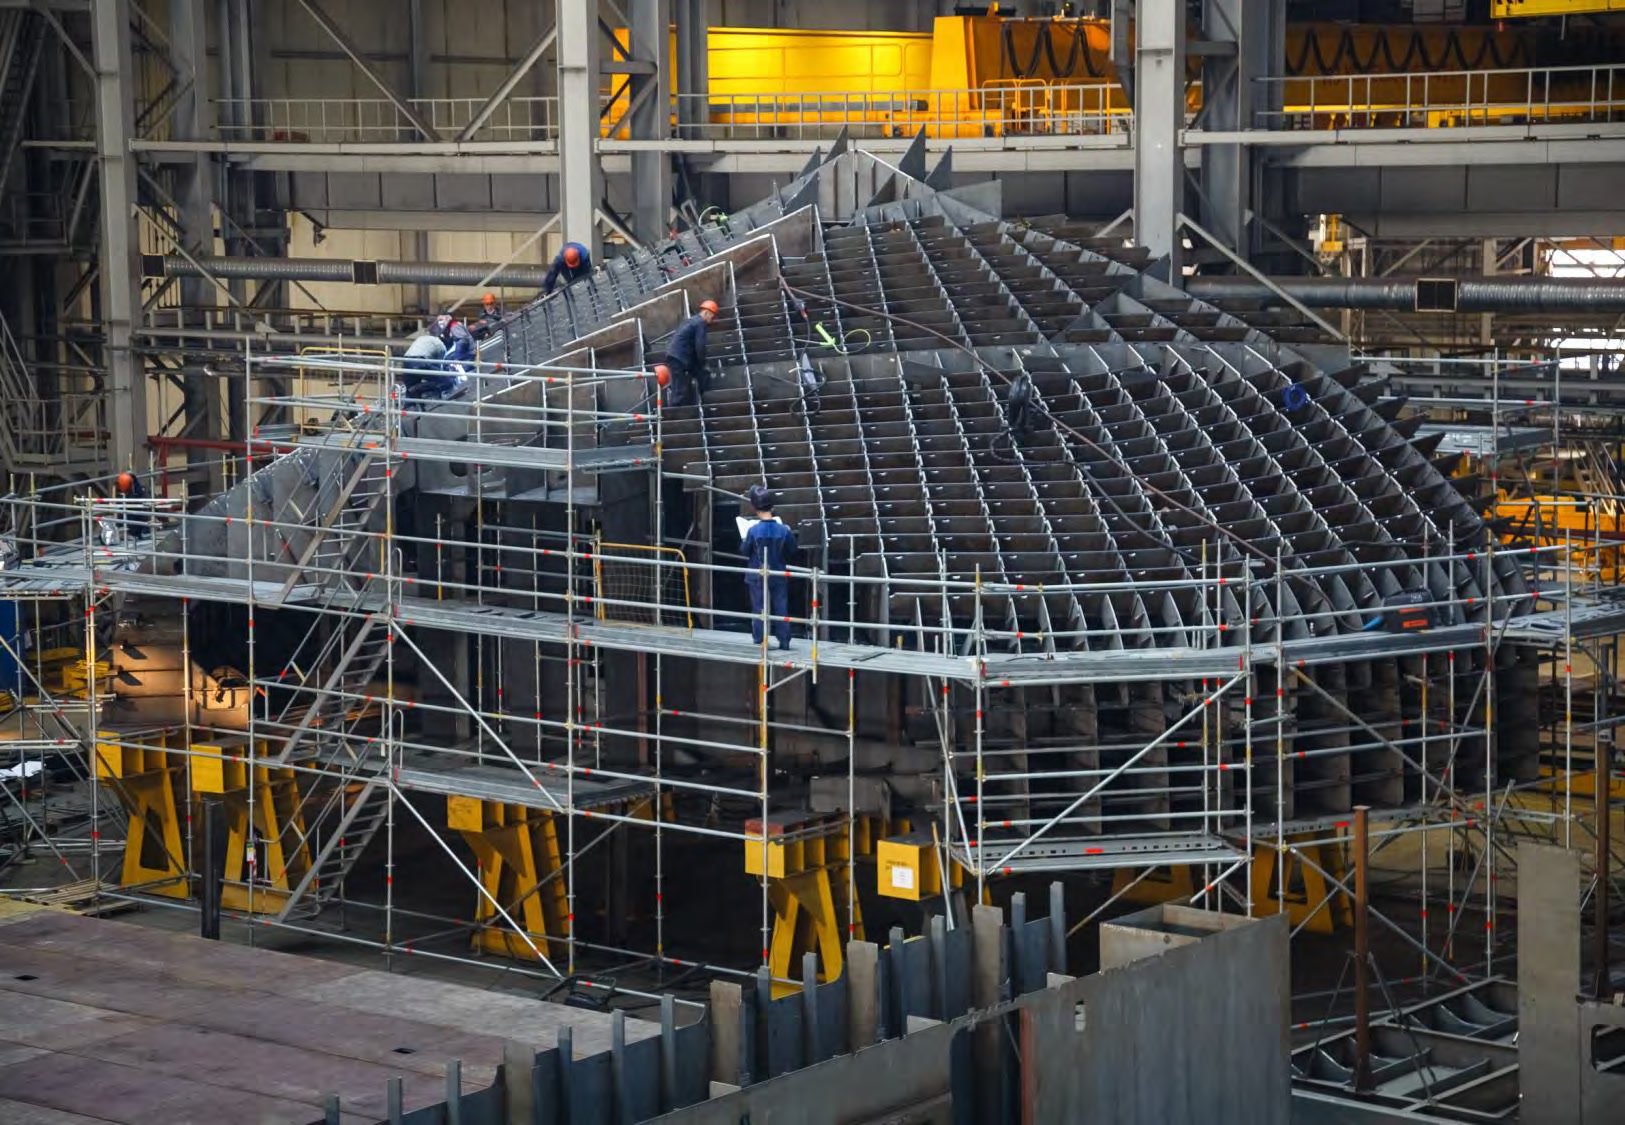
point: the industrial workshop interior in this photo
(812, 561)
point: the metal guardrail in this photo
(1017, 107)
(1446, 99)
(378, 120)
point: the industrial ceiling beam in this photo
(515, 76)
(335, 33)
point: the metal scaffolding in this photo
(1198, 606)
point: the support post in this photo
(651, 118)
(120, 260)
(1362, 951)
(194, 192)
(693, 75)
(210, 869)
(1159, 117)
(1250, 33)
(580, 177)
(1601, 987)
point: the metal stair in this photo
(363, 813)
(322, 731)
(333, 542)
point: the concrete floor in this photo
(105, 1021)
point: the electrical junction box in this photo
(908, 867)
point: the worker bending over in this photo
(768, 544)
(424, 371)
(685, 355)
(572, 263)
(458, 339)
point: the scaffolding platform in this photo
(591, 459)
(543, 790)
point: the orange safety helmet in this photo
(572, 256)
(489, 299)
(125, 482)
(710, 306)
(662, 374)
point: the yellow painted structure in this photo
(267, 853)
(150, 781)
(1303, 893)
(1525, 9)
(976, 76)
(808, 868)
(521, 866)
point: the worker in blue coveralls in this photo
(572, 262)
(458, 339)
(685, 356)
(769, 543)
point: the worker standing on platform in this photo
(685, 355)
(459, 342)
(768, 544)
(573, 262)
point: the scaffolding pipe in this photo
(1415, 294)
(349, 272)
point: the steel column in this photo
(194, 192)
(120, 261)
(693, 75)
(1252, 32)
(651, 118)
(580, 176)
(1159, 117)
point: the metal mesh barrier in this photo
(641, 585)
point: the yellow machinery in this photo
(1525, 9)
(521, 866)
(975, 76)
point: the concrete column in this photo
(580, 176)
(651, 170)
(1159, 116)
(1549, 1044)
(1249, 37)
(120, 258)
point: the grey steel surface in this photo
(511, 787)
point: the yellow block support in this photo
(808, 865)
(521, 867)
(1309, 899)
(266, 850)
(149, 781)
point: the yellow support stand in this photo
(1164, 884)
(521, 867)
(1308, 898)
(277, 831)
(149, 781)
(808, 866)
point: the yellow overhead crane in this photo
(1525, 9)
(990, 75)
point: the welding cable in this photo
(1083, 439)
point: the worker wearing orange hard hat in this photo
(490, 316)
(128, 486)
(685, 356)
(574, 261)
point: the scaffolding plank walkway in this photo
(510, 787)
(590, 459)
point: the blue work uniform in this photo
(770, 543)
(561, 268)
(685, 355)
(459, 343)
